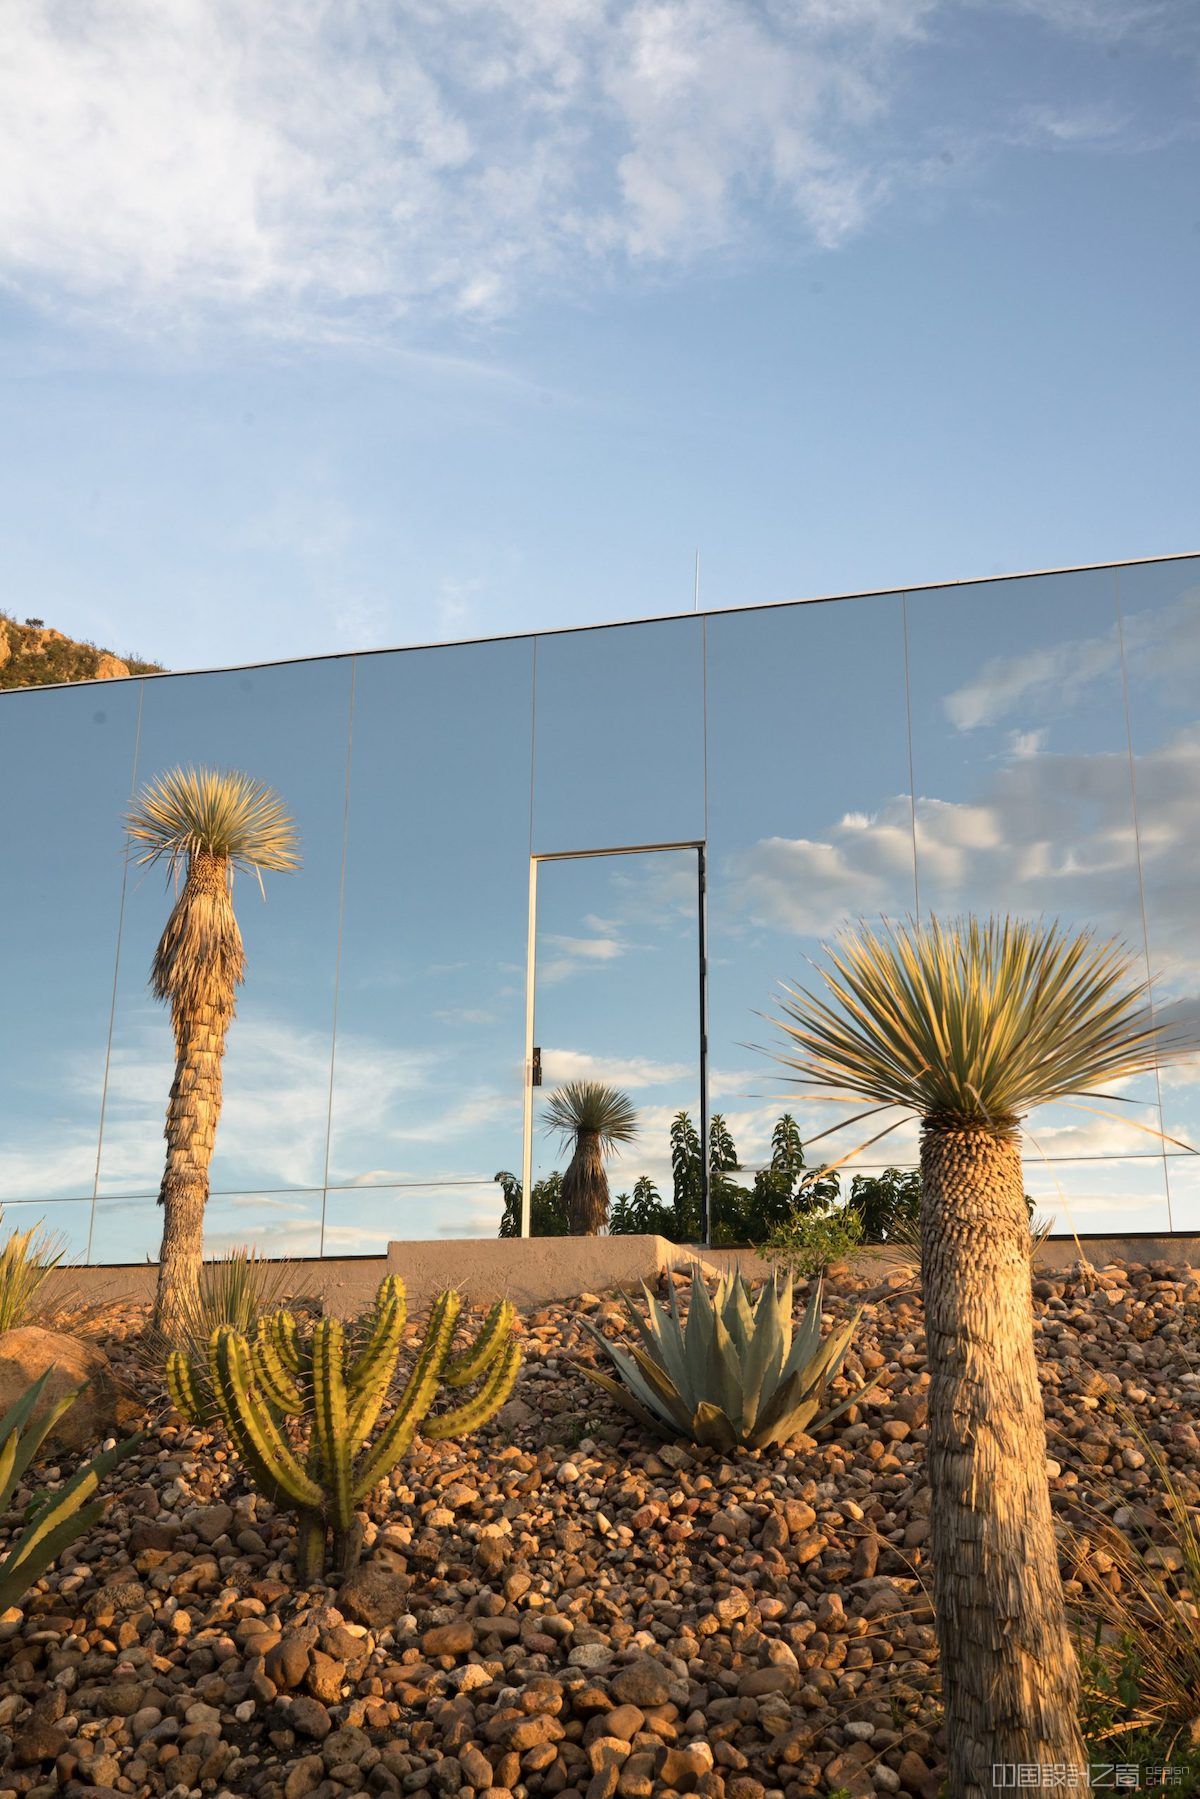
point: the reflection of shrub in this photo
(26, 1260)
(547, 1210)
(808, 1241)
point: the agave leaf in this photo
(698, 1333)
(723, 1372)
(711, 1425)
(788, 1425)
(621, 1394)
(790, 1396)
(737, 1316)
(762, 1367)
(669, 1349)
(845, 1404)
(809, 1334)
(641, 1388)
(661, 1384)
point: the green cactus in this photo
(301, 1414)
(60, 1517)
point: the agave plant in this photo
(735, 1372)
(594, 1119)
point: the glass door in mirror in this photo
(617, 978)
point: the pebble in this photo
(560, 1604)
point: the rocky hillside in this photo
(34, 655)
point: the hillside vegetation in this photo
(34, 655)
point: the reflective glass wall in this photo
(1030, 745)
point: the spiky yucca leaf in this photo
(594, 1108)
(972, 1022)
(735, 1373)
(214, 812)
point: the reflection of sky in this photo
(1020, 765)
(617, 996)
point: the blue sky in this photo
(326, 326)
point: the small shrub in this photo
(272, 1385)
(809, 1241)
(26, 1260)
(57, 1519)
(1142, 1673)
(737, 1374)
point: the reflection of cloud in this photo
(560, 1065)
(1162, 643)
(465, 1015)
(811, 886)
(574, 954)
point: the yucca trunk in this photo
(199, 964)
(1009, 1677)
(585, 1187)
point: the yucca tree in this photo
(204, 823)
(970, 1024)
(593, 1119)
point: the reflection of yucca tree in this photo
(204, 824)
(595, 1119)
(968, 1025)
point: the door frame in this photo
(700, 847)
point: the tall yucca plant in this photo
(204, 824)
(593, 1119)
(969, 1024)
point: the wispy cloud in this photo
(311, 169)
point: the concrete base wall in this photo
(538, 1270)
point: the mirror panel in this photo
(810, 827)
(619, 740)
(69, 753)
(365, 1221)
(1160, 612)
(1025, 802)
(617, 998)
(431, 1010)
(286, 725)
(1109, 1194)
(68, 1221)
(276, 1224)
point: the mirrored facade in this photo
(1028, 744)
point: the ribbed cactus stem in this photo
(373, 1371)
(277, 1382)
(184, 1389)
(252, 1427)
(387, 1329)
(418, 1395)
(480, 1407)
(331, 1422)
(462, 1370)
(286, 1335)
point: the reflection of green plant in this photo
(808, 1242)
(337, 1382)
(595, 1119)
(202, 824)
(547, 1213)
(887, 1203)
(59, 1518)
(26, 1260)
(640, 1213)
(735, 1373)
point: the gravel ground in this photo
(559, 1605)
